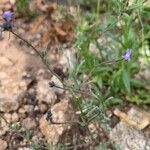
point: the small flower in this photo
(51, 84)
(127, 55)
(49, 116)
(8, 15)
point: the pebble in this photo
(15, 117)
(7, 105)
(129, 138)
(61, 111)
(5, 62)
(22, 113)
(58, 83)
(3, 144)
(8, 117)
(44, 93)
(28, 108)
(43, 108)
(4, 130)
(29, 123)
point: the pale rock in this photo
(129, 138)
(21, 111)
(93, 49)
(28, 108)
(5, 62)
(4, 1)
(128, 134)
(8, 117)
(4, 130)
(29, 123)
(58, 83)
(12, 65)
(25, 148)
(61, 112)
(68, 60)
(15, 117)
(12, 2)
(3, 144)
(3, 75)
(44, 93)
(3, 122)
(43, 108)
(7, 105)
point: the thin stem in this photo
(105, 62)
(110, 62)
(52, 84)
(67, 122)
(38, 53)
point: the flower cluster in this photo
(7, 24)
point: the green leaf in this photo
(78, 68)
(98, 80)
(137, 5)
(126, 81)
(103, 69)
(137, 83)
(113, 101)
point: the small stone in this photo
(29, 123)
(44, 93)
(5, 62)
(7, 105)
(68, 60)
(24, 148)
(62, 112)
(22, 111)
(38, 36)
(36, 108)
(58, 83)
(129, 138)
(3, 144)
(4, 130)
(22, 84)
(21, 30)
(4, 1)
(43, 108)
(8, 117)
(3, 75)
(28, 108)
(12, 2)
(15, 117)
(3, 122)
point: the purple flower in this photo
(8, 15)
(127, 55)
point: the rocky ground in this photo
(26, 100)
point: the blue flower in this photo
(8, 15)
(127, 55)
